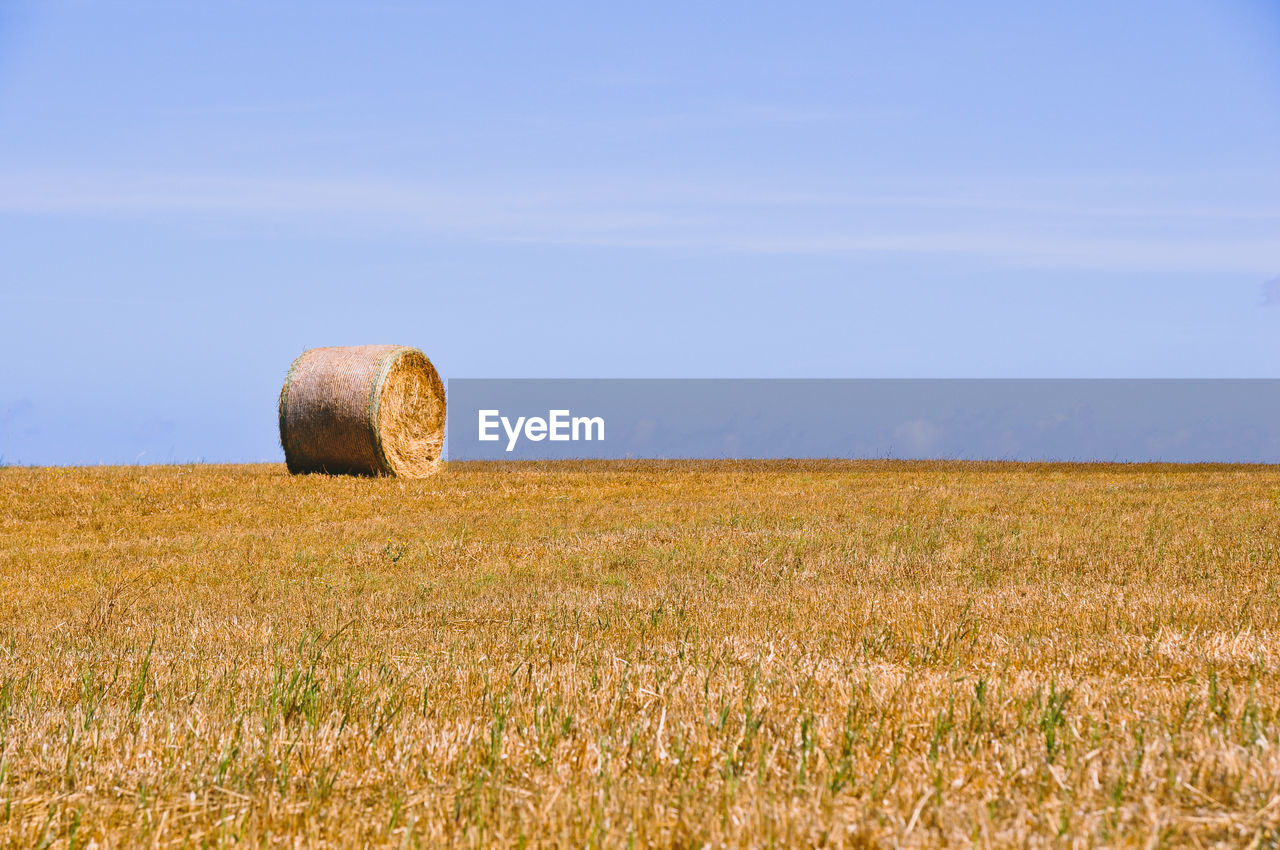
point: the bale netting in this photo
(363, 410)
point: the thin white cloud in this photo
(90, 193)
(1007, 248)
(675, 215)
(918, 435)
(1271, 293)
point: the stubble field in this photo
(607, 654)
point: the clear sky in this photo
(191, 194)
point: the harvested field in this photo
(594, 654)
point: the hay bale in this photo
(363, 410)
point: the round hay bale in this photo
(363, 410)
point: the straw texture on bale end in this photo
(363, 410)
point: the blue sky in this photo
(191, 194)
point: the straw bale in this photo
(363, 410)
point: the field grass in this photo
(573, 654)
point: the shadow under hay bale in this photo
(363, 410)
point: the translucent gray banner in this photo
(1050, 420)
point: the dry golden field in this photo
(674, 654)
